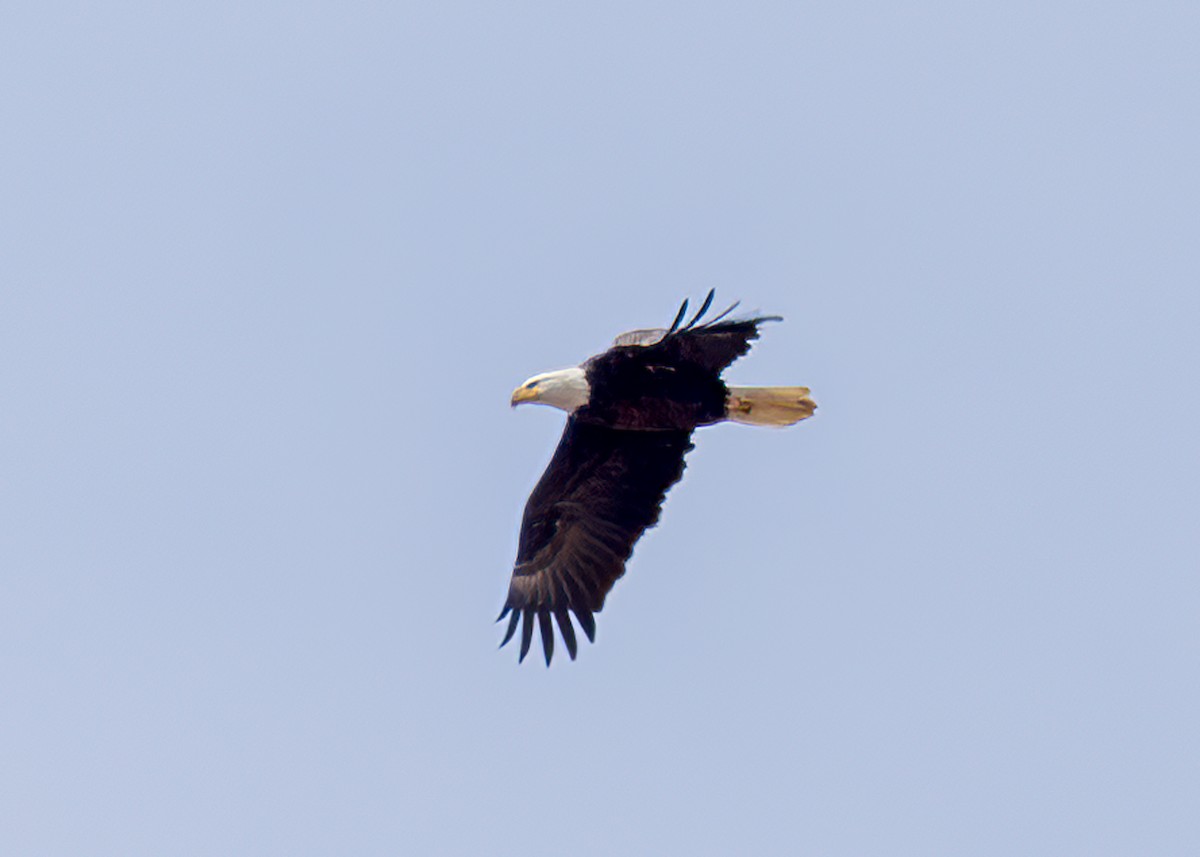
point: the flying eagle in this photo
(632, 411)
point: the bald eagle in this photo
(632, 411)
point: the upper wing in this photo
(710, 345)
(601, 491)
(651, 336)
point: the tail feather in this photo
(768, 406)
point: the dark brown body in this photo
(630, 391)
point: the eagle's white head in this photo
(567, 389)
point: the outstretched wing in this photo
(601, 491)
(711, 345)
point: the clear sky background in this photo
(269, 272)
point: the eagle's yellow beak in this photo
(525, 393)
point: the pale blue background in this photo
(270, 272)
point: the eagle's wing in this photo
(650, 336)
(601, 491)
(711, 345)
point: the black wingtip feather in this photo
(678, 317)
(567, 630)
(720, 316)
(526, 634)
(587, 622)
(703, 309)
(512, 626)
(547, 634)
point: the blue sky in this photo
(271, 273)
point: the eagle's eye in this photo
(531, 385)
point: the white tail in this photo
(768, 406)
